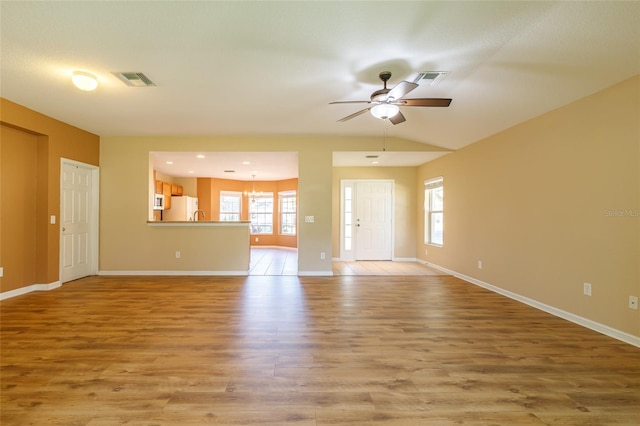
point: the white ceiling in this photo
(271, 68)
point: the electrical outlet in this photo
(587, 289)
(178, 255)
(633, 302)
(257, 239)
(322, 255)
(479, 264)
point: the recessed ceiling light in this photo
(84, 80)
(199, 156)
(168, 162)
(375, 162)
(191, 171)
(246, 163)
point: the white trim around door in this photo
(366, 219)
(78, 219)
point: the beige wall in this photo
(124, 161)
(49, 141)
(404, 208)
(548, 205)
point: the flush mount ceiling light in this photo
(384, 111)
(84, 80)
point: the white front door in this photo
(77, 222)
(373, 220)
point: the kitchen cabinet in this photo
(158, 187)
(166, 191)
(176, 190)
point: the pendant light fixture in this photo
(253, 194)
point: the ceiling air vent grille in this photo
(134, 79)
(431, 78)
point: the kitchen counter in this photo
(204, 247)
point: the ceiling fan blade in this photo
(355, 114)
(425, 102)
(350, 102)
(400, 90)
(398, 118)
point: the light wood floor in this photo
(265, 350)
(284, 261)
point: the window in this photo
(261, 213)
(287, 212)
(230, 203)
(433, 211)
(348, 202)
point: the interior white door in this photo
(374, 200)
(75, 222)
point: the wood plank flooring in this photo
(266, 350)
(268, 260)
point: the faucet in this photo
(195, 214)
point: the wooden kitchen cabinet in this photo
(176, 189)
(158, 187)
(166, 191)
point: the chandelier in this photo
(253, 194)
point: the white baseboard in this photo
(404, 259)
(174, 273)
(595, 326)
(28, 289)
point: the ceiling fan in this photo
(385, 103)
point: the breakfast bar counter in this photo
(203, 247)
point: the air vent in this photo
(371, 156)
(432, 77)
(134, 79)
(229, 171)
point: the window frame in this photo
(430, 188)
(282, 197)
(235, 194)
(255, 225)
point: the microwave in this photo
(158, 202)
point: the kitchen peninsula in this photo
(202, 247)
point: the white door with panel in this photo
(76, 222)
(373, 220)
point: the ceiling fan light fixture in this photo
(84, 80)
(384, 111)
